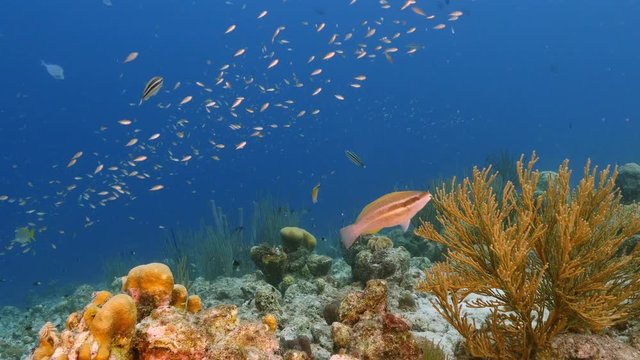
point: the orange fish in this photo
(314, 193)
(396, 208)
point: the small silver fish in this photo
(152, 88)
(56, 71)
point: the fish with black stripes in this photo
(152, 88)
(354, 158)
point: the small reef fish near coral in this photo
(396, 208)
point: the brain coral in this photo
(295, 237)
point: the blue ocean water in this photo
(556, 77)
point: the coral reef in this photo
(150, 285)
(300, 317)
(179, 296)
(367, 330)
(589, 346)
(302, 305)
(111, 327)
(48, 338)
(293, 238)
(281, 265)
(267, 299)
(172, 326)
(214, 333)
(194, 304)
(377, 243)
(545, 263)
(385, 263)
(272, 261)
(374, 257)
(628, 181)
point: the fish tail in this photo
(349, 234)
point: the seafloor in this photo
(302, 312)
(299, 311)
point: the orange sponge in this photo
(194, 304)
(113, 324)
(73, 320)
(150, 286)
(270, 321)
(100, 297)
(179, 296)
(48, 340)
(89, 313)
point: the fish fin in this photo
(405, 225)
(349, 234)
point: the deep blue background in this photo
(555, 76)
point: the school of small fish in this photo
(227, 96)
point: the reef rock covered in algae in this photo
(293, 259)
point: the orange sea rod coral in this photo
(113, 325)
(150, 286)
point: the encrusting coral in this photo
(547, 262)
